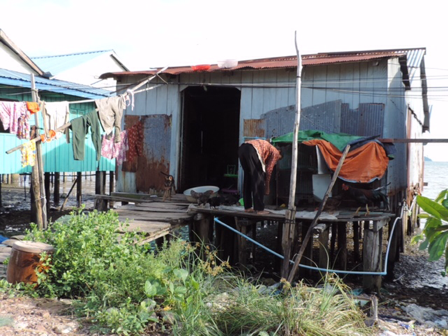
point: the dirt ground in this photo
(417, 281)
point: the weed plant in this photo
(125, 287)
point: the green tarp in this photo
(339, 140)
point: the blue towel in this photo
(2, 239)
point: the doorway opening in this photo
(210, 137)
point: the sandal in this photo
(262, 212)
(250, 210)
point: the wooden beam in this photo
(391, 140)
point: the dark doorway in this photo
(210, 136)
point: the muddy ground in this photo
(417, 282)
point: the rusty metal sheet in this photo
(156, 152)
(129, 121)
(254, 128)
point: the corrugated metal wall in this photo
(365, 98)
(57, 155)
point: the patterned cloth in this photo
(115, 150)
(15, 117)
(135, 141)
(268, 155)
(28, 154)
(123, 147)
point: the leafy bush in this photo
(435, 232)
(119, 282)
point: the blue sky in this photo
(154, 33)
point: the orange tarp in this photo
(361, 165)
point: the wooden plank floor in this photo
(157, 218)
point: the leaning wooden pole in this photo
(316, 217)
(290, 215)
(38, 171)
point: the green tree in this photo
(435, 232)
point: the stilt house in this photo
(195, 117)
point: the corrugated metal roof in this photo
(414, 57)
(60, 63)
(18, 79)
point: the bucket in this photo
(25, 260)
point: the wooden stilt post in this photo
(356, 241)
(319, 211)
(323, 248)
(47, 191)
(242, 243)
(342, 245)
(98, 181)
(111, 187)
(103, 183)
(290, 215)
(56, 192)
(334, 234)
(79, 189)
(38, 171)
(372, 257)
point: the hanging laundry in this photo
(32, 107)
(130, 98)
(110, 111)
(28, 154)
(135, 141)
(15, 117)
(122, 148)
(115, 150)
(107, 147)
(80, 128)
(55, 115)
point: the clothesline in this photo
(38, 138)
(129, 91)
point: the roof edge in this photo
(8, 42)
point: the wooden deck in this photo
(147, 214)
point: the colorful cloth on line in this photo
(28, 154)
(55, 115)
(15, 117)
(135, 141)
(115, 150)
(110, 111)
(32, 107)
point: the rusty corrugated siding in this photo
(156, 151)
